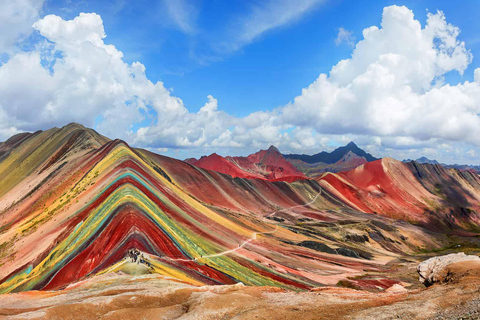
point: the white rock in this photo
(396, 288)
(429, 271)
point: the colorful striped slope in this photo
(76, 204)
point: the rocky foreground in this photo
(455, 294)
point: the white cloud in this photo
(183, 14)
(87, 80)
(387, 89)
(20, 92)
(16, 18)
(263, 17)
(174, 126)
(345, 36)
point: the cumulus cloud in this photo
(345, 36)
(88, 79)
(175, 127)
(16, 18)
(389, 86)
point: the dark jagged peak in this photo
(334, 156)
(351, 145)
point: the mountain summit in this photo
(267, 164)
(332, 157)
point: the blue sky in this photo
(264, 74)
(191, 77)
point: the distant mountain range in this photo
(332, 157)
(270, 164)
(466, 167)
(341, 159)
(422, 160)
(265, 164)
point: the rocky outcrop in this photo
(432, 270)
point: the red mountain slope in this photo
(419, 193)
(265, 164)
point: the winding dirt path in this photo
(254, 235)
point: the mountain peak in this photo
(351, 144)
(272, 148)
(213, 155)
(74, 125)
(350, 155)
(424, 160)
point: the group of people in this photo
(133, 254)
(138, 257)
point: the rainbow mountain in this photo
(75, 204)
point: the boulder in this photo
(431, 271)
(396, 289)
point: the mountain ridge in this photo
(425, 160)
(422, 160)
(267, 164)
(332, 157)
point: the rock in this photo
(376, 236)
(356, 238)
(347, 252)
(318, 246)
(430, 271)
(396, 288)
